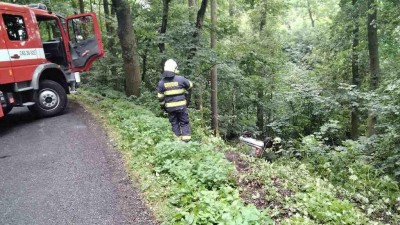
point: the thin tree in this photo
(214, 80)
(231, 8)
(100, 18)
(81, 6)
(355, 114)
(127, 39)
(373, 48)
(260, 91)
(196, 43)
(163, 30)
(74, 5)
(106, 7)
(310, 14)
(191, 4)
(199, 26)
(200, 14)
(164, 24)
(110, 33)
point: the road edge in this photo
(118, 163)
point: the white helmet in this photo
(170, 65)
(277, 140)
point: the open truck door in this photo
(85, 45)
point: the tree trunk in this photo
(144, 63)
(191, 4)
(233, 106)
(355, 114)
(112, 9)
(310, 13)
(199, 98)
(110, 31)
(231, 8)
(199, 26)
(260, 110)
(373, 59)
(74, 5)
(164, 24)
(260, 92)
(128, 46)
(145, 55)
(214, 84)
(100, 18)
(196, 42)
(81, 6)
(91, 5)
(263, 20)
(107, 15)
(200, 14)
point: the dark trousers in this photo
(179, 120)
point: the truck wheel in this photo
(50, 100)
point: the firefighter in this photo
(277, 145)
(171, 94)
(276, 148)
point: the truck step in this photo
(25, 89)
(28, 103)
(23, 86)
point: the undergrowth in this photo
(193, 183)
(186, 183)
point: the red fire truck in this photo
(40, 52)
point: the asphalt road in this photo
(63, 170)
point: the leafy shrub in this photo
(193, 161)
(300, 197)
(324, 208)
(387, 153)
(348, 167)
(222, 206)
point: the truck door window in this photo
(49, 30)
(83, 40)
(53, 46)
(81, 29)
(15, 27)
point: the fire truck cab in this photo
(40, 52)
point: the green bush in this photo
(222, 206)
(348, 167)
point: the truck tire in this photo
(50, 100)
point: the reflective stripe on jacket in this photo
(171, 92)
